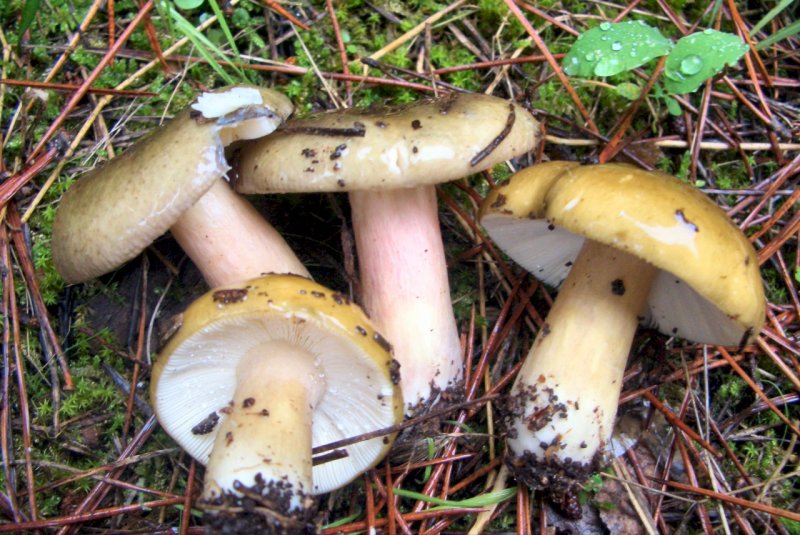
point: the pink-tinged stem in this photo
(229, 241)
(405, 287)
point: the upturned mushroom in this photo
(258, 374)
(625, 246)
(173, 180)
(389, 160)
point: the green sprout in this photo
(614, 48)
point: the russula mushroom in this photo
(258, 374)
(173, 180)
(625, 246)
(390, 160)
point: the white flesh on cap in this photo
(405, 287)
(565, 397)
(113, 212)
(214, 105)
(223, 234)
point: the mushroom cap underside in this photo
(195, 375)
(427, 142)
(708, 288)
(113, 212)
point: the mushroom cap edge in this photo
(705, 260)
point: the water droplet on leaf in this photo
(616, 46)
(608, 66)
(691, 65)
(605, 26)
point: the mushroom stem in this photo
(264, 439)
(229, 241)
(405, 287)
(565, 397)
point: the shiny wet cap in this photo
(708, 288)
(113, 212)
(427, 142)
(194, 378)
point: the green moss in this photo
(733, 388)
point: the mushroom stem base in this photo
(562, 406)
(263, 446)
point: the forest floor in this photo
(711, 431)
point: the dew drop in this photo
(589, 56)
(607, 67)
(708, 31)
(691, 65)
(605, 26)
(616, 46)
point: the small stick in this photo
(14, 183)
(74, 87)
(674, 420)
(87, 517)
(25, 260)
(348, 85)
(416, 30)
(19, 367)
(735, 501)
(537, 39)
(676, 144)
(186, 514)
(411, 422)
(79, 94)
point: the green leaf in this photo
(672, 106)
(774, 12)
(628, 90)
(343, 521)
(780, 35)
(225, 29)
(482, 500)
(204, 47)
(610, 49)
(189, 4)
(698, 57)
(28, 14)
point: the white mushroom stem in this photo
(267, 428)
(229, 241)
(405, 288)
(566, 394)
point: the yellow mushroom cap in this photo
(195, 376)
(708, 288)
(427, 142)
(113, 212)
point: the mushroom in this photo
(258, 374)
(173, 180)
(389, 160)
(633, 246)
